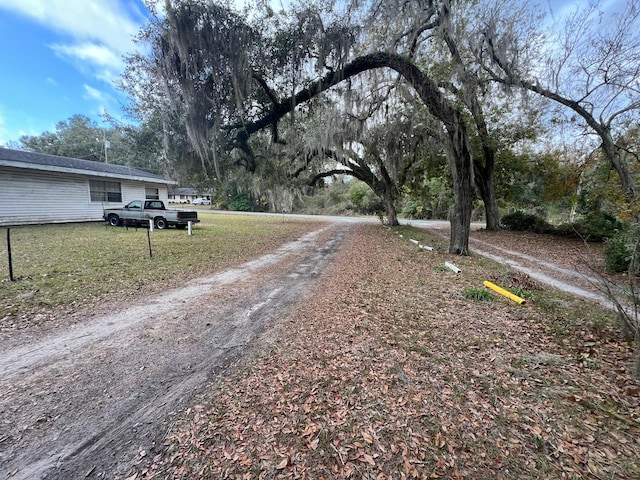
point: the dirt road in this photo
(86, 401)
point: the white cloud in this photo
(104, 62)
(104, 21)
(104, 102)
(95, 32)
(560, 9)
(91, 93)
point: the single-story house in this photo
(182, 195)
(185, 195)
(36, 188)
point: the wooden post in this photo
(9, 254)
(149, 240)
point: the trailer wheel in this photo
(161, 223)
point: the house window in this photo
(152, 193)
(103, 191)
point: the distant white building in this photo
(186, 195)
(36, 188)
(182, 195)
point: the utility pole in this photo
(107, 145)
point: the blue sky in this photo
(60, 58)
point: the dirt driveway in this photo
(85, 401)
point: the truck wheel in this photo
(113, 220)
(160, 223)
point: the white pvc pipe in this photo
(452, 267)
(190, 223)
(414, 241)
(426, 247)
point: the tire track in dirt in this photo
(90, 399)
(570, 281)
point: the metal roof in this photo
(53, 163)
(183, 191)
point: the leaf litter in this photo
(387, 372)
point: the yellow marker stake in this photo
(504, 292)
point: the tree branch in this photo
(330, 173)
(424, 86)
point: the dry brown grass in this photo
(389, 371)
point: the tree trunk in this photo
(620, 165)
(483, 173)
(389, 208)
(484, 182)
(461, 161)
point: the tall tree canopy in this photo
(245, 86)
(589, 64)
(235, 79)
(77, 137)
(81, 137)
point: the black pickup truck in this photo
(142, 212)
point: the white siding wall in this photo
(30, 196)
(131, 191)
(136, 191)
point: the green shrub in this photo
(616, 254)
(364, 200)
(417, 210)
(240, 203)
(336, 194)
(525, 222)
(594, 227)
(598, 226)
(619, 248)
(358, 192)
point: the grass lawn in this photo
(63, 268)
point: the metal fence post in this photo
(9, 254)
